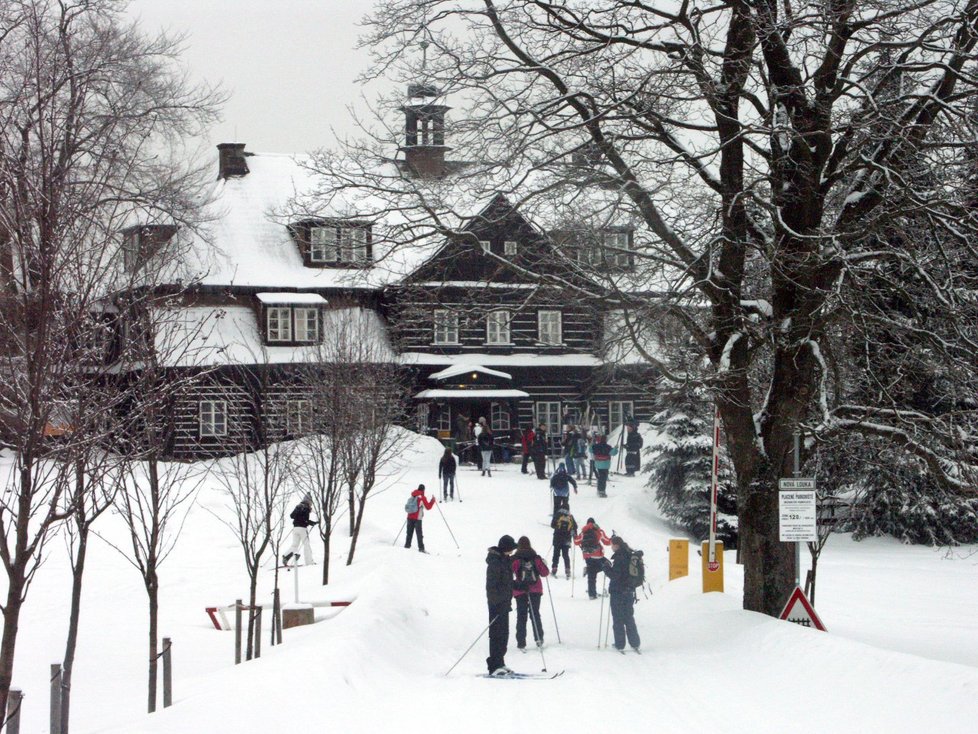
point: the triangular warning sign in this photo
(800, 611)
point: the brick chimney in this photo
(232, 160)
(424, 132)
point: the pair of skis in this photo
(525, 676)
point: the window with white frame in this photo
(213, 418)
(279, 323)
(499, 413)
(339, 243)
(444, 421)
(549, 327)
(306, 324)
(497, 327)
(509, 248)
(617, 250)
(421, 417)
(298, 417)
(548, 413)
(618, 412)
(446, 326)
(486, 245)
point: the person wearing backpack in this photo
(300, 532)
(621, 594)
(591, 539)
(528, 568)
(565, 528)
(633, 448)
(416, 505)
(601, 452)
(499, 598)
(446, 472)
(560, 487)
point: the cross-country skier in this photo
(422, 503)
(565, 528)
(621, 596)
(499, 597)
(300, 532)
(602, 452)
(446, 472)
(560, 484)
(528, 568)
(591, 539)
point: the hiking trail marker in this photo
(800, 611)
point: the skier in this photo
(559, 485)
(499, 597)
(633, 447)
(565, 528)
(485, 441)
(446, 472)
(528, 567)
(591, 539)
(621, 596)
(581, 455)
(526, 441)
(421, 503)
(300, 531)
(569, 446)
(538, 451)
(601, 452)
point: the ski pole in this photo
(573, 571)
(601, 612)
(403, 524)
(473, 644)
(458, 489)
(447, 525)
(537, 632)
(553, 610)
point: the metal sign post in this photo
(712, 563)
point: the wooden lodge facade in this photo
(471, 330)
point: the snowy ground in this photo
(901, 654)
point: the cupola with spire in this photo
(424, 132)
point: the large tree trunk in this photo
(77, 573)
(769, 564)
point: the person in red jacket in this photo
(526, 440)
(422, 503)
(528, 569)
(591, 539)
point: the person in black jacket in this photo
(621, 595)
(499, 596)
(538, 451)
(565, 528)
(300, 532)
(633, 448)
(446, 472)
(485, 443)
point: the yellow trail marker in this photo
(712, 577)
(678, 559)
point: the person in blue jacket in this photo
(601, 452)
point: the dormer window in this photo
(142, 242)
(509, 248)
(291, 318)
(333, 243)
(617, 249)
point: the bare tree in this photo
(765, 153)
(90, 113)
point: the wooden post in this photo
(167, 673)
(257, 613)
(276, 621)
(237, 632)
(55, 723)
(14, 700)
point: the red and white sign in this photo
(800, 611)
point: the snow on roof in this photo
(305, 298)
(463, 369)
(202, 336)
(461, 394)
(501, 360)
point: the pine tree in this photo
(680, 468)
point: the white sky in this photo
(289, 65)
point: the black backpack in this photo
(526, 574)
(636, 570)
(589, 541)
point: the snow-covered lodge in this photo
(277, 286)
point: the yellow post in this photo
(678, 559)
(712, 579)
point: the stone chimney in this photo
(232, 160)
(424, 132)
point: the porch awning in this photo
(462, 369)
(470, 394)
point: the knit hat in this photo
(506, 544)
(590, 520)
(307, 498)
(421, 487)
(616, 540)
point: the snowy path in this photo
(379, 665)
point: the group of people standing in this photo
(477, 439)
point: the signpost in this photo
(796, 506)
(712, 564)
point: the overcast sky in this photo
(289, 65)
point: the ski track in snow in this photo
(901, 654)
